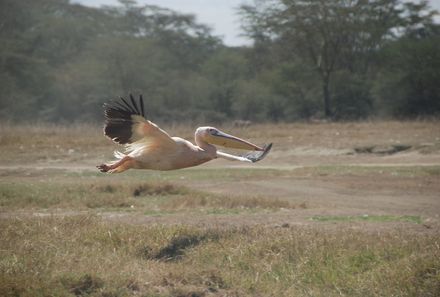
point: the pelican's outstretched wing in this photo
(125, 123)
(251, 157)
(232, 157)
(259, 155)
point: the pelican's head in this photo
(213, 135)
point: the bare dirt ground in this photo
(348, 169)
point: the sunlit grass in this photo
(82, 195)
(85, 143)
(126, 194)
(224, 173)
(67, 254)
(84, 255)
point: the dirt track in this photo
(372, 193)
(329, 169)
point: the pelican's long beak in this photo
(226, 140)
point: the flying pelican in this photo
(150, 147)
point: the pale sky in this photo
(220, 15)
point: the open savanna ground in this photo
(336, 209)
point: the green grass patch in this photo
(368, 218)
(85, 194)
(201, 173)
(154, 196)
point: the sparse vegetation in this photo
(368, 218)
(365, 170)
(150, 197)
(289, 226)
(84, 255)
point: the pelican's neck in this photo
(209, 148)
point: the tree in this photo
(408, 80)
(330, 35)
(60, 61)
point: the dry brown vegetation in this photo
(335, 210)
(84, 255)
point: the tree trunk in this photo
(326, 95)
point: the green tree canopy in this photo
(342, 59)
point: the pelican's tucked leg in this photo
(119, 166)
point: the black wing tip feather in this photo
(133, 102)
(124, 106)
(141, 100)
(118, 118)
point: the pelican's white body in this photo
(181, 155)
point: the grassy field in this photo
(82, 255)
(336, 209)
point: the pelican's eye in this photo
(212, 131)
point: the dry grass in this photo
(147, 197)
(347, 135)
(393, 253)
(83, 142)
(365, 170)
(46, 142)
(369, 218)
(85, 255)
(202, 200)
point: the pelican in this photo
(150, 147)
